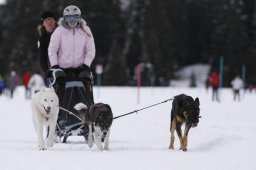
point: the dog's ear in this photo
(197, 101)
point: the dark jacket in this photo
(43, 44)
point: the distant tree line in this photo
(162, 35)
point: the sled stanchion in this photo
(136, 111)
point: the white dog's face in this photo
(49, 101)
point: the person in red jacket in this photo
(25, 79)
(214, 81)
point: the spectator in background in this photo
(214, 81)
(1, 85)
(12, 81)
(207, 83)
(250, 87)
(237, 85)
(36, 82)
(25, 79)
(45, 30)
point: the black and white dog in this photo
(98, 117)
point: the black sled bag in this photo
(75, 91)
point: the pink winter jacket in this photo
(70, 48)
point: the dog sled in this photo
(72, 88)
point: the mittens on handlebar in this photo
(55, 67)
(60, 73)
(57, 71)
(85, 73)
(84, 67)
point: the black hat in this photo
(47, 14)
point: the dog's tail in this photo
(80, 106)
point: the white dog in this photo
(99, 118)
(45, 111)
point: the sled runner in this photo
(72, 87)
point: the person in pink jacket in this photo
(71, 52)
(72, 43)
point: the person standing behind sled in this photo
(45, 30)
(214, 81)
(72, 47)
(237, 85)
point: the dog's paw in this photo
(42, 147)
(106, 148)
(90, 141)
(57, 139)
(100, 148)
(184, 149)
(99, 145)
(170, 147)
(86, 139)
(90, 144)
(49, 143)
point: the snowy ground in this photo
(224, 139)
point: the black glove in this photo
(85, 72)
(84, 67)
(57, 71)
(60, 73)
(55, 67)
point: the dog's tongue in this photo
(47, 110)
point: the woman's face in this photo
(72, 24)
(49, 24)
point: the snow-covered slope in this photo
(224, 139)
(183, 75)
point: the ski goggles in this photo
(73, 19)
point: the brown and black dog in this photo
(184, 110)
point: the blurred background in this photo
(163, 37)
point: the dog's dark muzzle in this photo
(105, 133)
(193, 122)
(194, 125)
